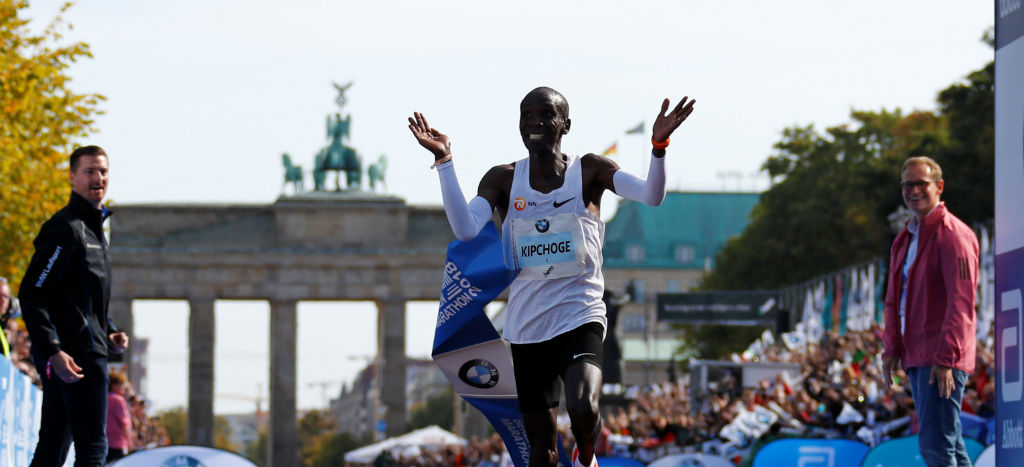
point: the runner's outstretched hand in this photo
(435, 141)
(665, 124)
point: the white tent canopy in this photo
(407, 444)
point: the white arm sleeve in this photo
(650, 192)
(466, 219)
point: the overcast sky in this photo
(203, 98)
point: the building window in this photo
(672, 286)
(636, 323)
(635, 253)
(637, 290)
(685, 254)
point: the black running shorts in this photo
(539, 367)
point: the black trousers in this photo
(114, 454)
(75, 411)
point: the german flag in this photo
(612, 150)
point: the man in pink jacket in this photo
(930, 320)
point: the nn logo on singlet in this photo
(522, 203)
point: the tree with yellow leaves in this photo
(40, 120)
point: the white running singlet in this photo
(555, 243)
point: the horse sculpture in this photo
(292, 174)
(376, 172)
(338, 157)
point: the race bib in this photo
(548, 248)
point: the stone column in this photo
(391, 371)
(201, 332)
(121, 314)
(283, 444)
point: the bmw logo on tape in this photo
(479, 374)
(543, 225)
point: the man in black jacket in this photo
(64, 298)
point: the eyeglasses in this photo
(908, 186)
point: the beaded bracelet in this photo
(440, 161)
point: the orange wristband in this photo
(660, 144)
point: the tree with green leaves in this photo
(175, 423)
(835, 190)
(438, 409)
(41, 118)
(256, 451)
(321, 442)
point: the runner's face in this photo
(542, 121)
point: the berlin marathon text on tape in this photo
(456, 293)
(517, 431)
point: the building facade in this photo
(664, 249)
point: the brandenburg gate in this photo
(314, 246)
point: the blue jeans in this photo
(940, 441)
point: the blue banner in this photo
(1009, 373)
(474, 274)
(1009, 227)
(811, 453)
(20, 413)
(904, 452)
(468, 349)
(504, 415)
(621, 462)
(973, 426)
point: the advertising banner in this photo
(691, 460)
(467, 348)
(904, 452)
(744, 308)
(987, 458)
(183, 456)
(811, 453)
(20, 413)
(1009, 226)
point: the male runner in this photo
(550, 206)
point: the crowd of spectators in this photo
(839, 393)
(15, 337)
(20, 356)
(147, 433)
(487, 452)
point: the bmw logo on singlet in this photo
(479, 374)
(543, 225)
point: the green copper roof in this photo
(679, 234)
